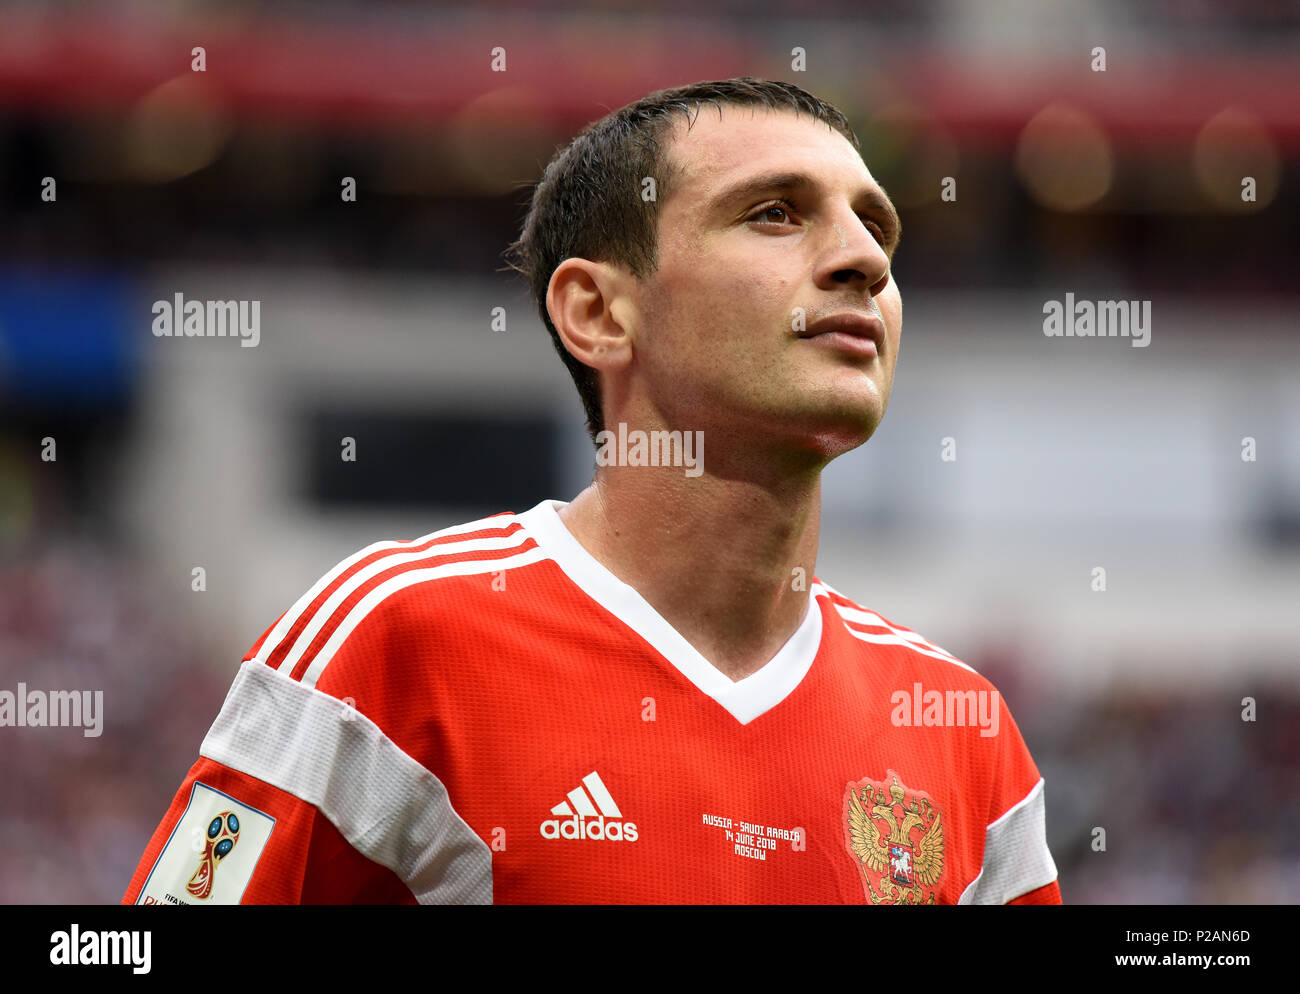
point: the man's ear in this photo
(590, 304)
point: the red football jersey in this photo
(487, 714)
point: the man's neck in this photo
(727, 562)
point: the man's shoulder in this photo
(443, 579)
(872, 636)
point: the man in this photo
(644, 695)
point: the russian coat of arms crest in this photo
(895, 835)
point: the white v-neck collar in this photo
(744, 699)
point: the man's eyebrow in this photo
(753, 187)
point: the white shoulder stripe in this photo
(350, 585)
(1016, 857)
(881, 639)
(894, 635)
(300, 606)
(390, 808)
(871, 618)
(408, 579)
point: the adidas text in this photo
(589, 828)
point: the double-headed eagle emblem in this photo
(896, 837)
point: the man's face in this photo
(719, 345)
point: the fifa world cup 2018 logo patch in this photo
(222, 834)
(895, 835)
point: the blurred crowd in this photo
(76, 811)
(1198, 805)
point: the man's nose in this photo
(853, 255)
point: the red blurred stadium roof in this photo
(394, 71)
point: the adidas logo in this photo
(589, 814)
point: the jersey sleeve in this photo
(1050, 894)
(282, 851)
(297, 797)
(1018, 867)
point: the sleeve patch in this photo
(211, 854)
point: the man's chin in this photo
(830, 433)
(834, 442)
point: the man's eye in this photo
(876, 231)
(774, 213)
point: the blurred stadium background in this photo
(1072, 453)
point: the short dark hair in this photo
(589, 204)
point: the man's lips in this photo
(852, 331)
